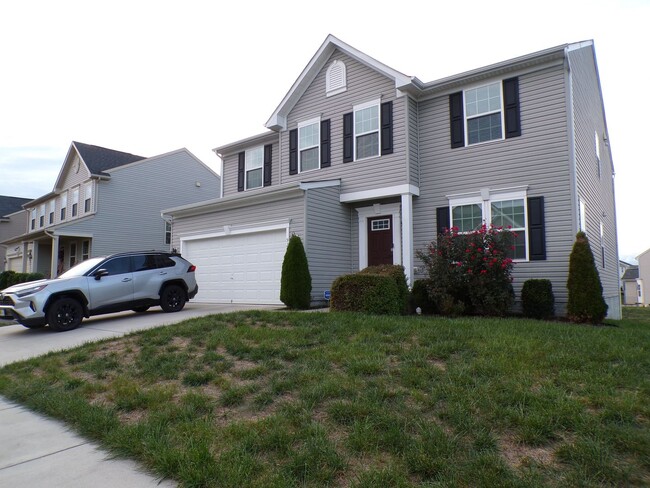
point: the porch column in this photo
(407, 237)
(55, 256)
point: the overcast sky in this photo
(148, 77)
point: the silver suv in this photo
(127, 281)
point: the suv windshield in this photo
(82, 268)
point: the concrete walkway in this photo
(36, 451)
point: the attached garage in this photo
(238, 268)
(14, 263)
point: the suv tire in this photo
(172, 298)
(65, 314)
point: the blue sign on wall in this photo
(327, 294)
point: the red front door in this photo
(380, 240)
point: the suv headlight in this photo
(30, 291)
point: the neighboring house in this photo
(367, 165)
(623, 266)
(631, 286)
(107, 201)
(643, 281)
(12, 223)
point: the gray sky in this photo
(148, 77)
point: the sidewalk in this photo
(36, 451)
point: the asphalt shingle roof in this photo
(9, 205)
(100, 159)
(631, 273)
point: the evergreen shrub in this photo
(537, 299)
(295, 284)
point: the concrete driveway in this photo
(39, 452)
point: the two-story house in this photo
(12, 223)
(106, 201)
(367, 165)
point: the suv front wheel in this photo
(172, 298)
(64, 314)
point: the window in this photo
(51, 210)
(75, 202)
(483, 113)
(64, 204)
(507, 210)
(32, 219)
(254, 167)
(582, 217)
(41, 215)
(309, 144)
(380, 224)
(88, 197)
(85, 250)
(168, 232)
(117, 266)
(73, 254)
(366, 130)
(335, 78)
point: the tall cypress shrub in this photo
(295, 285)
(586, 302)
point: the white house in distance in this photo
(106, 201)
(13, 220)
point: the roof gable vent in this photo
(336, 78)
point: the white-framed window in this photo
(41, 215)
(507, 209)
(582, 217)
(366, 130)
(88, 197)
(335, 78)
(85, 249)
(380, 224)
(254, 167)
(52, 207)
(168, 232)
(309, 144)
(64, 205)
(483, 113)
(32, 219)
(75, 202)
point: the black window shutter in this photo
(293, 152)
(456, 122)
(325, 152)
(536, 231)
(268, 155)
(442, 220)
(348, 138)
(241, 173)
(511, 105)
(386, 128)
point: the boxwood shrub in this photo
(378, 290)
(10, 278)
(537, 299)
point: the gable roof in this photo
(631, 273)
(100, 159)
(278, 119)
(9, 205)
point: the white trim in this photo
(247, 169)
(342, 84)
(310, 185)
(389, 191)
(484, 114)
(314, 121)
(364, 213)
(358, 108)
(407, 236)
(237, 230)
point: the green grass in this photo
(274, 399)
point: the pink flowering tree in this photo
(471, 272)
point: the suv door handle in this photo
(163, 272)
(126, 280)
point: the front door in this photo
(380, 240)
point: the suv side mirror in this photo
(99, 273)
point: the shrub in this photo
(586, 302)
(295, 284)
(471, 272)
(396, 272)
(537, 299)
(10, 278)
(421, 296)
(369, 293)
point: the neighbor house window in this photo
(507, 210)
(73, 254)
(64, 204)
(309, 144)
(41, 215)
(168, 232)
(254, 167)
(32, 224)
(366, 130)
(483, 113)
(583, 215)
(88, 196)
(51, 211)
(85, 250)
(75, 202)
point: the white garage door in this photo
(243, 268)
(15, 264)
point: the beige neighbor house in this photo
(643, 281)
(106, 201)
(13, 221)
(631, 286)
(367, 165)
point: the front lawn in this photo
(275, 399)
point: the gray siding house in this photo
(367, 165)
(13, 220)
(107, 201)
